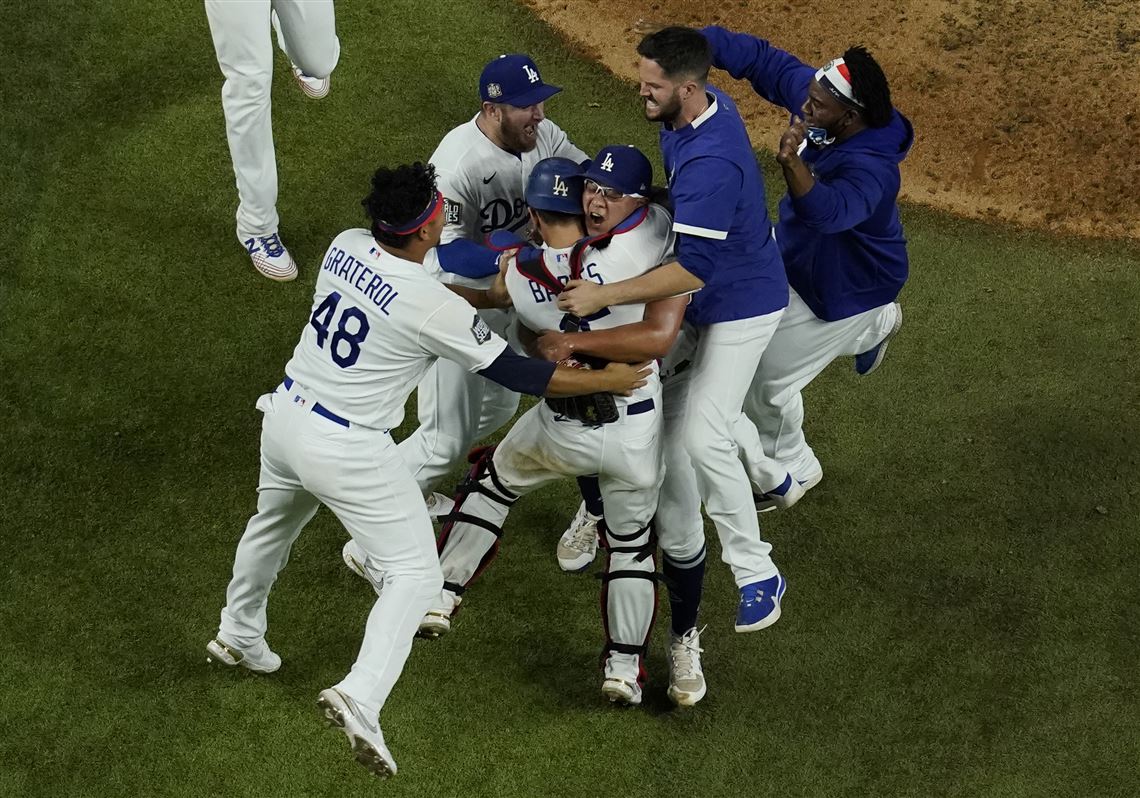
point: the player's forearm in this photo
(664, 281)
(649, 339)
(798, 177)
(630, 343)
(479, 298)
(571, 381)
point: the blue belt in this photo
(644, 406)
(320, 409)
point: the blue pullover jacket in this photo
(842, 242)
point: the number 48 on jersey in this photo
(342, 337)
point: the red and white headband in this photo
(407, 228)
(836, 78)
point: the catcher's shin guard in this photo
(629, 592)
(469, 539)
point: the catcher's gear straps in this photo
(535, 268)
(482, 465)
(645, 550)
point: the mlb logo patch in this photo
(480, 331)
(452, 210)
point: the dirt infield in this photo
(1024, 110)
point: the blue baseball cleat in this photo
(760, 604)
(870, 360)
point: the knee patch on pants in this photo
(481, 507)
(629, 589)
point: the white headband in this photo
(836, 78)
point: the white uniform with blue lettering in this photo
(243, 41)
(543, 446)
(483, 187)
(378, 323)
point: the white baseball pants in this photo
(771, 436)
(626, 456)
(243, 42)
(702, 460)
(308, 460)
(455, 408)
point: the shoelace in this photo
(272, 246)
(584, 535)
(682, 652)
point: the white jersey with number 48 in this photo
(378, 323)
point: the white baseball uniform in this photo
(378, 323)
(544, 446)
(770, 434)
(243, 40)
(484, 188)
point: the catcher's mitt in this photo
(592, 409)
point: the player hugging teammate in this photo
(665, 341)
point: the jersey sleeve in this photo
(840, 202)
(705, 194)
(559, 144)
(455, 331)
(777, 76)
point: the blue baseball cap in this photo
(621, 166)
(514, 80)
(555, 184)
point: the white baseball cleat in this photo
(258, 658)
(353, 557)
(782, 497)
(313, 88)
(579, 543)
(686, 679)
(363, 734)
(439, 505)
(867, 362)
(621, 684)
(270, 257)
(437, 620)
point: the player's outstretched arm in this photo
(583, 297)
(543, 378)
(619, 378)
(649, 339)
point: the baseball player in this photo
(483, 166)
(839, 233)
(613, 190)
(241, 31)
(726, 253)
(621, 443)
(378, 321)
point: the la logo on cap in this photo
(531, 74)
(608, 164)
(560, 188)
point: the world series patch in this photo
(452, 210)
(480, 331)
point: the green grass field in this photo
(964, 602)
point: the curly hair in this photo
(398, 195)
(870, 85)
(680, 52)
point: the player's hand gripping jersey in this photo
(633, 247)
(378, 323)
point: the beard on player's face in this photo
(662, 106)
(518, 127)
